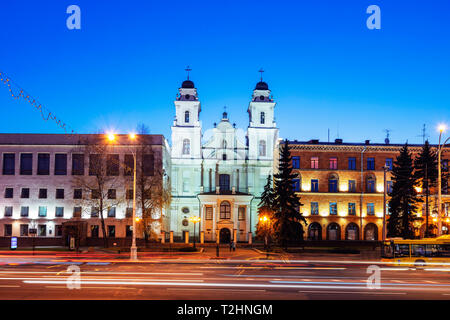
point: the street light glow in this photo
(111, 136)
(132, 136)
(442, 128)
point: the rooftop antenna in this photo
(261, 70)
(187, 70)
(338, 130)
(388, 131)
(424, 134)
(328, 134)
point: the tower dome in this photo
(187, 84)
(261, 86)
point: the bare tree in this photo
(99, 186)
(152, 185)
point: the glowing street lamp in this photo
(441, 129)
(133, 250)
(194, 220)
(265, 222)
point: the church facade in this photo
(220, 179)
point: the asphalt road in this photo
(250, 278)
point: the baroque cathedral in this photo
(220, 179)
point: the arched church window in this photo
(262, 148)
(263, 117)
(224, 144)
(186, 146)
(225, 210)
(186, 117)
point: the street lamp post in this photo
(133, 249)
(194, 220)
(265, 222)
(440, 148)
(385, 169)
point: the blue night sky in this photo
(324, 67)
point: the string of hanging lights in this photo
(17, 92)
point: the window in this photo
(95, 164)
(224, 182)
(129, 194)
(112, 231)
(94, 231)
(60, 164)
(24, 211)
(351, 209)
(8, 230)
(370, 163)
(351, 163)
(370, 209)
(128, 231)
(225, 210)
(77, 164)
(333, 208)
(129, 212)
(186, 117)
(43, 164)
(333, 183)
(26, 164)
(296, 185)
(128, 165)
(77, 212)
(224, 157)
(351, 186)
(112, 165)
(314, 162)
(333, 163)
(111, 193)
(8, 211)
(42, 211)
(42, 230)
(58, 230)
(94, 212)
(224, 144)
(23, 230)
(9, 193)
(389, 163)
(263, 118)
(186, 146)
(295, 162)
(148, 164)
(59, 212)
(42, 193)
(111, 212)
(25, 193)
(59, 193)
(209, 213)
(389, 186)
(370, 184)
(314, 208)
(314, 185)
(95, 194)
(9, 165)
(262, 148)
(241, 213)
(78, 194)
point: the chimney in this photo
(367, 142)
(338, 141)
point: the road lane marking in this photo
(108, 288)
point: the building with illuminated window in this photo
(341, 187)
(219, 175)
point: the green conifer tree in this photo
(286, 210)
(426, 172)
(404, 200)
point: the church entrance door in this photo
(225, 235)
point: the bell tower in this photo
(262, 131)
(187, 127)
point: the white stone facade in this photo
(221, 179)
